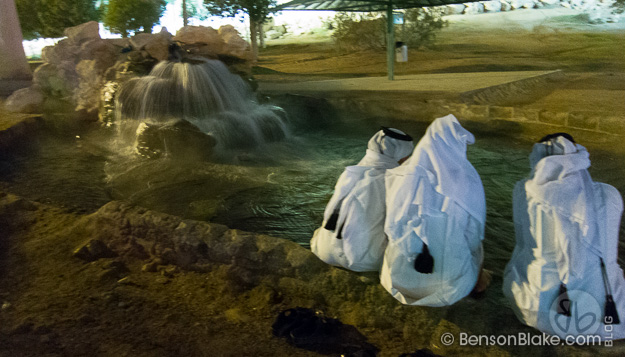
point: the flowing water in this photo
(203, 93)
(279, 188)
(269, 173)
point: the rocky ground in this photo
(128, 282)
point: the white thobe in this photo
(564, 224)
(435, 198)
(358, 242)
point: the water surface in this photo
(279, 189)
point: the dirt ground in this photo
(591, 57)
(53, 304)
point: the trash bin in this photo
(401, 52)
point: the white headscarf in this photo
(443, 153)
(383, 152)
(555, 146)
(560, 180)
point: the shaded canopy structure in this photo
(370, 6)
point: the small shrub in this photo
(354, 32)
(421, 27)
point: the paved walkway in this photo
(440, 82)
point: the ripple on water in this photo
(280, 190)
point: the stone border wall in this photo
(593, 121)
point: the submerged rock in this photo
(25, 100)
(179, 139)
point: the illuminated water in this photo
(279, 189)
(202, 92)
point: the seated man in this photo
(563, 277)
(436, 211)
(352, 233)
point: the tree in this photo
(185, 14)
(48, 18)
(368, 31)
(359, 31)
(421, 26)
(190, 9)
(619, 6)
(256, 10)
(125, 16)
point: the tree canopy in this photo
(48, 18)
(257, 11)
(125, 16)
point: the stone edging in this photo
(594, 121)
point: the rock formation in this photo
(79, 68)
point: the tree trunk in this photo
(261, 34)
(185, 14)
(254, 38)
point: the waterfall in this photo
(202, 92)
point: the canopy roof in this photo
(364, 5)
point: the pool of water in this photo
(280, 189)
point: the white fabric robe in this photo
(564, 223)
(436, 198)
(360, 194)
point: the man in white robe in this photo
(352, 233)
(563, 277)
(436, 210)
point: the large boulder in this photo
(521, 4)
(90, 83)
(64, 50)
(455, 9)
(236, 46)
(200, 40)
(57, 80)
(25, 100)
(505, 6)
(272, 35)
(84, 32)
(473, 8)
(158, 48)
(103, 52)
(492, 6)
(155, 45)
(119, 42)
